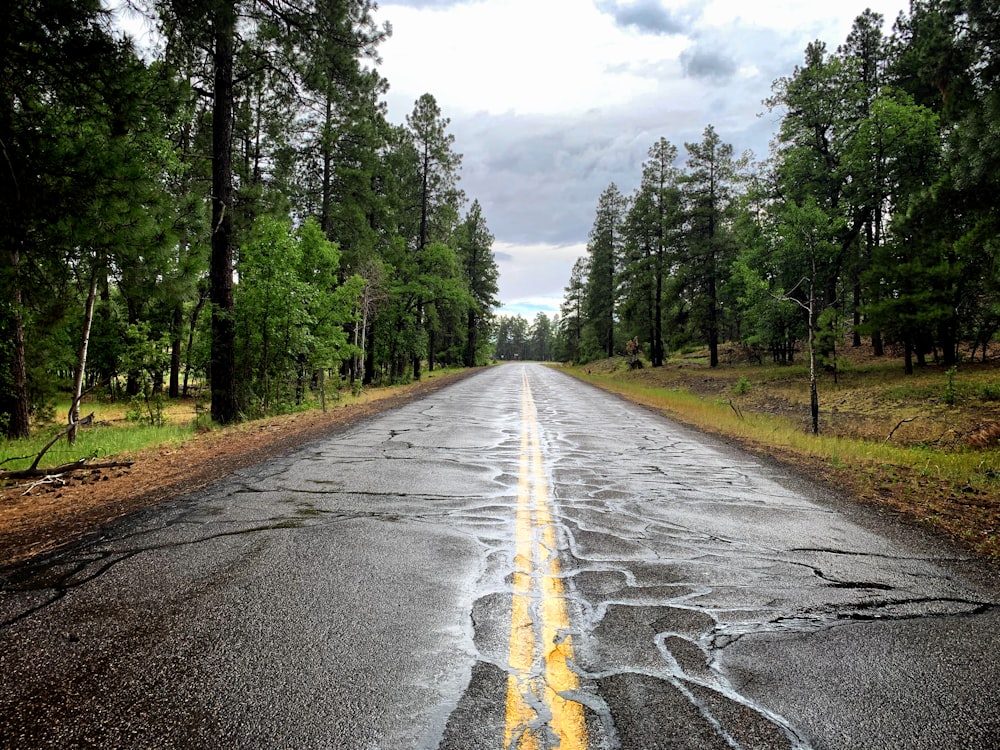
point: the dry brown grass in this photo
(927, 445)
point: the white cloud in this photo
(532, 277)
(552, 100)
(515, 56)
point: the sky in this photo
(550, 101)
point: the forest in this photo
(231, 214)
(230, 211)
(873, 221)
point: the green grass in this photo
(113, 434)
(949, 486)
(718, 416)
(98, 442)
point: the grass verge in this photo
(954, 489)
(113, 435)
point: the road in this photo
(517, 561)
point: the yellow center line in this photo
(540, 652)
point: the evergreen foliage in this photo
(235, 215)
(875, 216)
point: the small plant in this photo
(45, 413)
(989, 392)
(148, 408)
(950, 392)
(742, 386)
(202, 418)
(136, 410)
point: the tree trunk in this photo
(195, 314)
(657, 348)
(19, 417)
(223, 365)
(368, 371)
(856, 336)
(813, 390)
(175, 352)
(416, 354)
(949, 344)
(470, 340)
(362, 330)
(81, 360)
(713, 322)
(878, 346)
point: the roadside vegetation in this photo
(926, 445)
(121, 429)
(227, 205)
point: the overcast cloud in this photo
(552, 100)
(649, 16)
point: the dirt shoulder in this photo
(50, 516)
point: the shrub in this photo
(742, 386)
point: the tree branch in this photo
(56, 471)
(900, 424)
(62, 433)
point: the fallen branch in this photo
(72, 426)
(49, 479)
(53, 471)
(736, 409)
(901, 423)
(15, 458)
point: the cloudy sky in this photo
(552, 100)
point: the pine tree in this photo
(572, 313)
(436, 192)
(709, 193)
(604, 250)
(475, 248)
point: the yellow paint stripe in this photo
(539, 652)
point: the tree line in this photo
(234, 206)
(875, 215)
(517, 339)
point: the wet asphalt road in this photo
(358, 594)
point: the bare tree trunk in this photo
(369, 366)
(470, 340)
(81, 360)
(360, 334)
(657, 349)
(813, 391)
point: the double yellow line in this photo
(540, 646)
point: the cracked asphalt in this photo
(357, 594)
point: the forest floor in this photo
(925, 446)
(37, 518)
